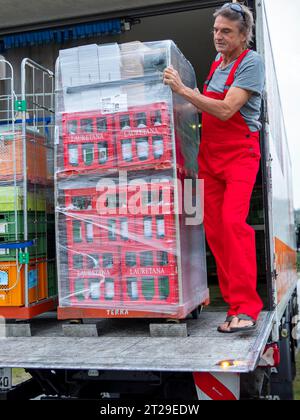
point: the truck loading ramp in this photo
(126, 345)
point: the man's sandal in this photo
(243, 317)
(229, 320)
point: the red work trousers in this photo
(229, 172)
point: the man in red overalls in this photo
(229, 159)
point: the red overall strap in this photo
(213, 68)
(231, 76)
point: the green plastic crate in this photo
(52, 279)
(36, 222)
(37, 251)
(12, 198)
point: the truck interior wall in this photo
(25, 17)
(192, 32)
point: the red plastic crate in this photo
(156, 231)
(149, 276)
(82, 231)
(143, 137)
(94, 276)
(150, 198)
(91, 262)
(147, 199)
(83, 200)
(91, 231)
(88, 139)
(95, 291)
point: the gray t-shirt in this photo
(250, 75)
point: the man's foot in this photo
(242, 323)
(226, 327)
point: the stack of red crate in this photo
(148, 258)
(94, 265)
(88, 142)
(149, 276)
(94, 276)
(121, 240)
(120, 215)
(143, 137)
(136, 139)
(103, 228)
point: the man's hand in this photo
(224, 109)
(172, 79)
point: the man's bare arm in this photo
(235, 99)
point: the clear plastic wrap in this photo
(126, 154)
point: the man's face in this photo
(227, 35)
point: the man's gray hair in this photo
(246, 25)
